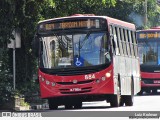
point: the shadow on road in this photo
(149, 94)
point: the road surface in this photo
(146, 102)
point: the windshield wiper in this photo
(84, 40)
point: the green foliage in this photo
(6, 11)
(152, 12)
(62, 8)
(23, 14)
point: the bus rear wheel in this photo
(130, 98)
(140, 93)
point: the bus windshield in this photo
(74, 50)
(149, 52)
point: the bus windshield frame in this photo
(149, 48)
(73, 50)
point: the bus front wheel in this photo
(68, 106)
(78, 105)
(52, 104)
(115, 100)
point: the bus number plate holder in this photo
(75, 89)
(156, 81)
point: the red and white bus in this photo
(149, 54)
(87, 58)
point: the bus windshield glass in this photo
(74, 50)
(149, 52)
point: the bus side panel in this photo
(136, 76)
(120, 73)
(121, 70)
(126, 69)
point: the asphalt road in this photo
(146, 102)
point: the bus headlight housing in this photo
(47, 82)
(42, 79)
(97, 81)
(103, 78)
(108, 74)
(53, 84)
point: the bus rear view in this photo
(149, 54)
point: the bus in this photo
(87, 58)
(149, 55)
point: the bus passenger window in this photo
(123, 42)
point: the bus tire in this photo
(78, 105)
(148, 91)
(154, 91)
(130, 98)
(140, 93)
(52, 104)
(68, 106)
(122, 101)
(115, 100)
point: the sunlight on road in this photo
(141, 103)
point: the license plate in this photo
(75, 89)
(156, 81)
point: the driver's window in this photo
(105, 49)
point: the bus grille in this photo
(71, 83)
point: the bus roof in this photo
(153, 29)
(158, 27)
(109, 20)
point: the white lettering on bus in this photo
(90, 76)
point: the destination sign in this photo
(149, 35)
(66, 25)
(72, 24)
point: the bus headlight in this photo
(108, 74)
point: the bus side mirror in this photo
(35, 46)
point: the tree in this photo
(62, 8)
(25, 15)
(22, 14)
(6, 27)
